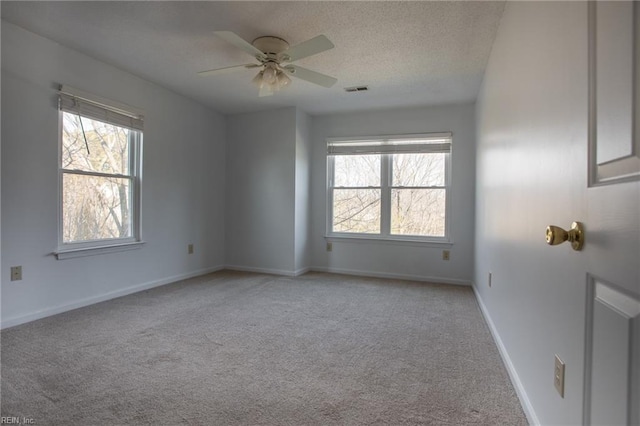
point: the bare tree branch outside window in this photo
(416, 210)
(356, 199)
(96, 182)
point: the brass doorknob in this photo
(557, 235)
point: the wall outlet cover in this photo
(16, 273)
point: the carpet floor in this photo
(235, 348)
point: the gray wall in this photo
(183, 182)
(260, 200)
(267, 200)
(303, 187)
(531, 172)
(414, 261)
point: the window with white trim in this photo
(99, 172)
(391, 187)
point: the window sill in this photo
(67, 253)
(362, 239)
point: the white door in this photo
(612, 225)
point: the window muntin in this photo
(99, 167)
(410, 198)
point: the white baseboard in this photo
(11, 322)
(302, 271)
(266, 270)
(513, 374)
(439, 280)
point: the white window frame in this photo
(347, 146)
(93, 107)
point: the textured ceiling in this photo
(408, 53)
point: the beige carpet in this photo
(248, 349)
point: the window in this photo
(99, 171)
(393, 187)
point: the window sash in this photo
(131, 232)
(98, 174)
(134, 176)
(386, 189)
(360, 215)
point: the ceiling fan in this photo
(275, 56)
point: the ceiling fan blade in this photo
(311, 76)
(227, 69)
(307, 48)
(265, 91)
(240, 43)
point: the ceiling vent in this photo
(356, 89)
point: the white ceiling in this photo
(408, 53)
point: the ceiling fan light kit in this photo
(271, 79)
(271, 52)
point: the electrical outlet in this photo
(445, 254)
(190, 248)
(16, 273)
(490, 277)
(329, 246)
(558, 376)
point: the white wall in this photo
(399, 260)
(303, 186)
(531, 172)
(260, 199)
(183, 182)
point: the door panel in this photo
(614, 89)
(613, 316)
(612, 247)
(614, 84)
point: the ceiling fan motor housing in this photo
(270, 45)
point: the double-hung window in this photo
(391, 187)
(99, 173)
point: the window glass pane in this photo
(95, 208)
(108, 146)
(418, 212)
(418, 169)
(357, 170)
(356, 210)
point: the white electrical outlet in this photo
(329, 246)
(446, 254)
(16, 273)
(190, 248)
